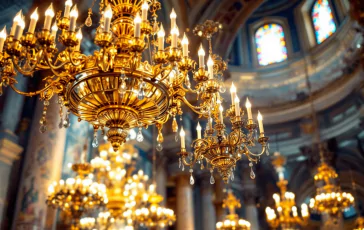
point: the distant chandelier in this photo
(115, 89)
(285, 215)
(329, 197)
(232, 221)
(78, 195)
(359, 223)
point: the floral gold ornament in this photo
(232, 221)
(115, 89)
(285, 214)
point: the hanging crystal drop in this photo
(267, 149)
(179, 163)
(255, 134)
(252, 174)
(212, 179)
(140, 136)
(176, 138)
(95, 142)
(88, 21)
(192, 181)
(43, 128)
(222, 88)
(60, 125)
(66, 122)
(141, 93)
(183, 167)
(159, 147)
(174, 125)
(46, 103)
(232, 176)
(122, 87)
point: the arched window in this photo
(323, 20)
(271, 45)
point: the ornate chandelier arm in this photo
(80, 58)
(31, 94)
(196, 109)
(30, 71)
(264, 149)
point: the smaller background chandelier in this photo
(87, 223)
(285, 213)
(232, 221)
(78, 195)
(329, 197)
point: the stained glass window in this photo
(323, 20)
(271, 45)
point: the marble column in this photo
(208, 209)
(9, 152)
(250, 193)
(161, 178)
(184, 203)
(219, 197)
(42, 166)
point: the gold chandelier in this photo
(359, 223)
(115, 89)
(329, 197)
(285, 214)
(232, 221)
(87, 223)
(75, 196)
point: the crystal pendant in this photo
(159, 147)
(232, 176)
(88, 21)
(122, 87)
(176, 138)
(95, 142)
(66, 122)
(212, 179)
(46, 103)
(60, 125)
(192, 181)
(43, 128)
(141, 94)
(179, 163)
(252, 174)
(139, 136)
(267, 149)
(174, 125)
(183, 167)
(222, 88)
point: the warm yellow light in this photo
(173, 14)
(35, 15)
(260, 118)
(54, 27)
(50, 11)
(74, 12)
(232, 88)
(198, 128)
(137, 19)
(182, 133)
(247, 103)
(201, 51)
(3, 33)
(161, 32)
(79, 35)
(184, 40)
(108, 12)
(145, 6)
(210, 62)
(68, 3)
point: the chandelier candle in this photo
(237, 107)
(173, 17)
(221, 109)
(16, 20)
(161, 35)
(145, 8)
(74, 16)
(19, 29)
(174, 34)
(137, 22)
(201, 57)
(210, 67)
(49, 14)
(33, 21)
(185, 45)
(54, 31)
(107, 16)
(249, 109)
(198, 128)
(233, 93)
(2, 39)
(79, 38)
(67, 8)
(260, 123)
(183, 140)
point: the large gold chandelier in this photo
(115, 89)
(285, 214)
(329, 197)
(232, 221)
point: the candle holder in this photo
(200, 75)
(160, 57)
(103, 39)
(14, 48)
(186, 64)
(2, 59)
(69, 39)
(212, 86)
(174, 55)
(45, 38)
(137, 45)
(28, 40)
(63, 23)
(145, 28)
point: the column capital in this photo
(9, 151)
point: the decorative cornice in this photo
(9, 151)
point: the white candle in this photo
(145, 8)
(174, 34)
(19, 29)
(185, 46)
(249, 109)
(198, 128)
(49, 14)
(137, 22)
(161, 35)
(67, 8)
(210, 122)
(221, 109)
(233, 93)
(79, 38)
(237, 106)
(210, 67)
(260, 123)
(83, 157)
(74, 16)
(107, 18)
(182, 135)
(54, 30)
(173, 17)
(16, 20)
(201, 57)
(33, 21)
(2, 38)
